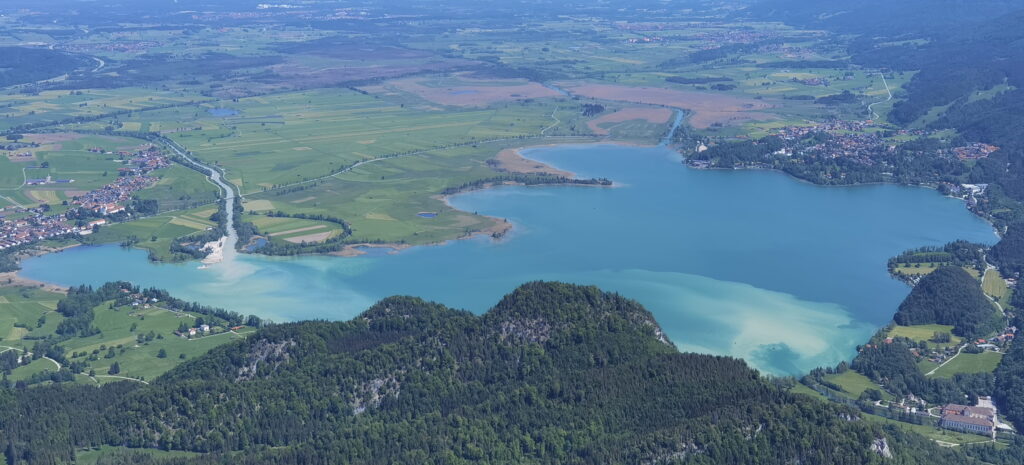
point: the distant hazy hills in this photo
(890, 18)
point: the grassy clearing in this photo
(93, 456)
(921, 269)
(925, 333)
(925, 365)
(995, 286)
(26, 371)
(984, 362)
(854, 384)
(20, 312)
(801, 389)
(140, 359)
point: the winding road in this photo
(883, 101)
(29, 354)
(950, 359)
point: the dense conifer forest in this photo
(555, 373)
(950, 296)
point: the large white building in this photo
(977, 420)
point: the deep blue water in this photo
(754, 264)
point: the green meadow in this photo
(381, 200)
(286, 138)
(854, 384)
(995, 286)
(924, 333)
(20, 311)
(56, 105)
(156, 233)
(67, 156)
(131, 336)
(984, 362)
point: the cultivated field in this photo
(706, 108)
(467, 93)
(293, 137)
(603, 124)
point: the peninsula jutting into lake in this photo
(750, 264)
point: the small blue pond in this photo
(256, 244)
(427, 214)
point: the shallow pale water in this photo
(753, 264)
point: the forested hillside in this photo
(19, 65)
(950, 296)
(1008, 254)
(554, 374)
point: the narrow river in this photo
(217, 178)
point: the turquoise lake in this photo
(753, 264)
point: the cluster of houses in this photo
(13, 148)
(109, 199)
(31, 228)
(974, 151)
(994, 342)
(34, 224)
(834, 127)
(133, 177)
(204, 329)
(717, 38)
(864, 140)
(860, 146)
(645, 39)
(814, 81)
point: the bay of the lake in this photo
(753, 264)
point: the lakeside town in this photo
(87, 211)
(850, 152)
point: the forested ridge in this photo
(22, 64)
(555, 373)
(950, 296)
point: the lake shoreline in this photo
(710, 298)
(516, 162)
(988, 220)
(13, 278)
